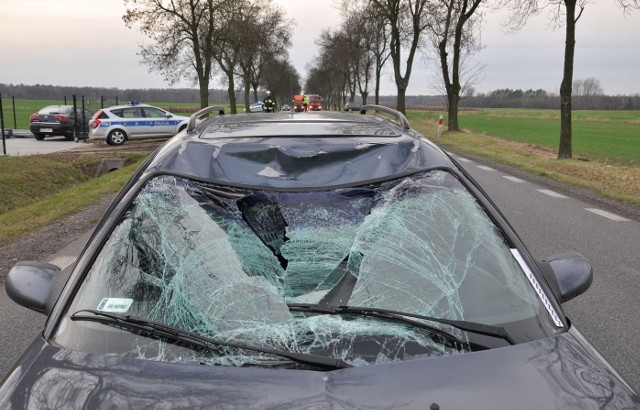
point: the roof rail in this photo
(400, 117)
(199, 114)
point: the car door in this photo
(159, 122)
(133, 122)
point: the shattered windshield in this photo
(225, 263)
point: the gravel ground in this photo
(40, 244)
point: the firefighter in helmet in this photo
(269, 103)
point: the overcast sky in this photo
(85, 43)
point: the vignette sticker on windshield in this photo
(115, 305)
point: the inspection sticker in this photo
(115, 305)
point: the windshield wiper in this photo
(161, 330)
(473, 327)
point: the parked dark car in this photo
(59, 120)
(319, 261)
(352, 106)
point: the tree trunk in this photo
(247, 91)
(452, 120)
(564, 150)
(204, 95)
(232, 94)
(377, 92)
(400, 106)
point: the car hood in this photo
(557, 372)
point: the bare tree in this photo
(407, 20)
(333, 70)
(263, 36)
(566, 12)
(282, 79)
(182, 33)
(453, 32)
(588, 87)
(375, 37)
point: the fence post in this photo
(117, 100)
(13, 101)
(4, 143)
(102, 101)
(76, 130)
(84, 120)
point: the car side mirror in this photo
(29, 284)
(168, 115)
(568, 274)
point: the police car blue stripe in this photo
(137, 123)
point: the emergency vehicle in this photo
(120, 123)
(315, 102)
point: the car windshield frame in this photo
(270, 267)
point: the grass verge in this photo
(59, 194)
(617, 182)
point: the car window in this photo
(133, 112)
(222, 263)
(55, 109)
(154, 112)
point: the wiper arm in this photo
(473, 327)
(161, 330)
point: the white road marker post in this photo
(440, 126)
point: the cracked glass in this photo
(224, 263)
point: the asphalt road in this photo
(30, 146)
(551, 220)
(548, 219)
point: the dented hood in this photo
(557, 372)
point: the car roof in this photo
(115, 107)
(287, 151)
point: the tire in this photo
(116, 137)
(39, 137)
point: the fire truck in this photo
(315, 102)
(297, 103)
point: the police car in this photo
(120, 123)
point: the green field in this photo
(607, 136)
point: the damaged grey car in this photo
(319, 261)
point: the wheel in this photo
(39, 137)
(116, 137)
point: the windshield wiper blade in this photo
(194, 339)
(473, 327)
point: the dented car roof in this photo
(334, 149)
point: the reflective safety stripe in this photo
(137, 123)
